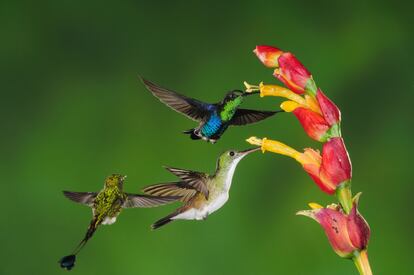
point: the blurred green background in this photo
(73, 112)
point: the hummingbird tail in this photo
(91, 230)
(192, 134)
(68, 261)
(163, 221)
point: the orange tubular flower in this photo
(328, 170)
(347, 234)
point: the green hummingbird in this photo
(201, 193)
(214, 119)
(106, 206)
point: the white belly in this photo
(217, 203)
(109, 220)
(201, 214)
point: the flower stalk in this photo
(362, 263)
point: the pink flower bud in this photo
(268, 55)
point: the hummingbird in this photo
(215, 118)
(106, 206)
(202, 194)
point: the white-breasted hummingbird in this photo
(201, 193)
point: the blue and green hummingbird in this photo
(215, 118)
(106, 206)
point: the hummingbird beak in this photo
(251, 93)
(248, 151)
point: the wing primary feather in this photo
(146, 201)
(197, 180)
(246, 116)
(190, 107)
(85, 198)
(179, 189)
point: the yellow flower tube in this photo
(275, 147)
(275, 90)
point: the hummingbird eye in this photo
(231, 153)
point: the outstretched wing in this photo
(192, 108)
(85, 198)
(146, 201)
(246, 116)
(180, 189)
(197, 180)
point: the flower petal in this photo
(292, 73)
(268, 55)
(358, 228)
(334, 222)
(313, 172)
(336, 165)
(313, 124)
(329, 110)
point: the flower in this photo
(318, 115)
(268, 55)
(328, 171)
(288, 70)
(346, 233)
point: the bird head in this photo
(234, 96)
(115, 180)
(232, 157)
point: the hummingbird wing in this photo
(190, 107)
(181, 189)
(86, 198)
(197, 180)
(246, 116)
(146, 201)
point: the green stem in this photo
(344, 195)
(362, 263)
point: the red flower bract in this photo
(336, 165)
(346, 233)
(313, 123)
(358, 228)
(334, 168)
(268, 55)
(329, 110)
(292, 73)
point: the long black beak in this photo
(248, 151)
(251, 93)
